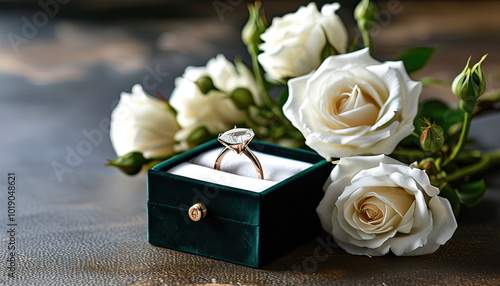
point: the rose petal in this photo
(297, 87)
(327, 204)
(404, 243)
(348, 61)
(443, 229)
(407, 222)
(333, 27)
(134, 125)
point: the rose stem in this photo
(253, 50)
(487, 160)
(461, 141)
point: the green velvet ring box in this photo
(241, 226)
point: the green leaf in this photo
(328, 50)
(471, 193)
(416, 58)
(270, 85)
(438, 112)
(450, 194)
(283, 97)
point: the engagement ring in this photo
(237, 140)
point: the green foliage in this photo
(328, 50)
(416, 58)
(255, 26)
(242, 98)
(470, 83)
(451, 195)
(283, 97)
(366, 14)
(205, 84)
(198, 136)
(130, 163)
(439, 113)
(471, 193)
(432, 137)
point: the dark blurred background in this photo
(200, 29)
(152, 8)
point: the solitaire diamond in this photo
(237, 138)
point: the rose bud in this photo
(130, 163)
(432, 137)
(205, 84)
(469, 85)
(198, 135)
(429, 166)
(242, 98)
(366, 13)
(255, 26)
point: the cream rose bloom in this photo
(374, 204)
(214, 110)
(353, 105)
(293, 43)
(142, 123)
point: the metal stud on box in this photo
(197, 212)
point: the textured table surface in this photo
(86, 225)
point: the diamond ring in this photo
(237, 140)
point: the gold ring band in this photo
(247, 152)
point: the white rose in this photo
(353, 105)
(214, 110)
(293, 44)
(374, 204)
(142, 123)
